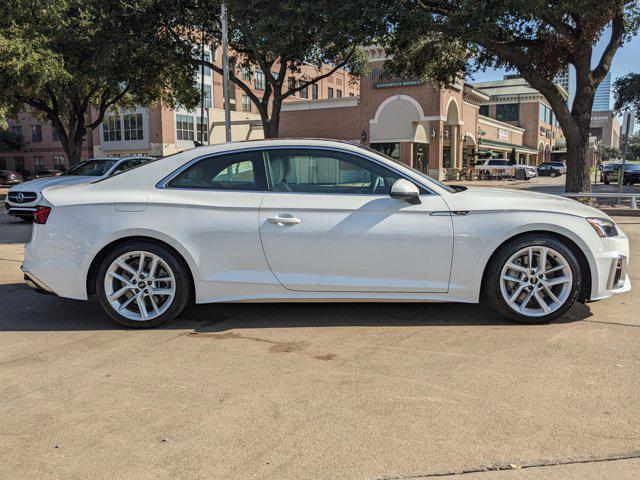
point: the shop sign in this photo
(503, 134)
(380, 79)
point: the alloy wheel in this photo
(536, 281)
(140, 285)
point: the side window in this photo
(326, 171)
(235, 171)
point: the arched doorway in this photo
(468, 149)
(451, 150)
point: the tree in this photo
(606, 154)
(70, 61)
(445, 39)
(279, 38)
(627, 92)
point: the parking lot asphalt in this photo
(316, 391)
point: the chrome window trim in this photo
(163, 184)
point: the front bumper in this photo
(611, 265)
(15, 210)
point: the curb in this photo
(620, 212)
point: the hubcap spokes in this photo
(536, 281)
(140, 285)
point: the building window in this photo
(246, 103)
(292, 83)
(314, 91)
(54, 135)
(36, 133)
(330, 92)
(304, 93)
(259, 80)
(3, 163)
(484, 110)
(16, 130)
(507, 112)
(38, 163)
(203, 129)
(206, 71)
(58, 162)
(133, 126)
(19, 164)
(207, 100)
(338, 93)
(111, 131)
(246, 73)
(184, 127)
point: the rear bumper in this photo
(34, 282)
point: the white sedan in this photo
(316, 221)
(22, 199)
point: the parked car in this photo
(9, 177)
(313, 220)
(560, 166)
(22, 200)
(499, 168)
(546, 170)
(611, 173)
(48, 173)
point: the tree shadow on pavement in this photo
(24, 310)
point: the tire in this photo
(553, 175)
(171, 277)
(565, 291)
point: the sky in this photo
(627, 60)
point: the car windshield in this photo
(419, 172)
(92, 168)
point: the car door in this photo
(213, 205)
(327, 223)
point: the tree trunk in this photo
(73, 148)
(271, 125)
(578, 176)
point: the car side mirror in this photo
(405, 190)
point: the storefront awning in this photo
(495, 144)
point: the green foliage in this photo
(627, 92)
(9, 141)
(606, 154)
(280, 38)
(633, 149)
(448, 39)
(66, 57)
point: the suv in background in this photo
(611, 173)
(22, 199)
(500, 168)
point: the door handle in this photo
(284, 220)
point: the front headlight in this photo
(603, 227)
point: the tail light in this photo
(41, 214)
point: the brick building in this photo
(513, 101)
(159, 130)
(418, 123)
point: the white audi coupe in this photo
(314, 221)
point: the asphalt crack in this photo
(497, 467)
(613, 323)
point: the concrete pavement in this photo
(304, 391)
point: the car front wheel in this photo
(534, 279)
(142, 284)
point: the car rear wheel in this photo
(142, 284)
(534, 279)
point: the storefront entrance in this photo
(421, 156)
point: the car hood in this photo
(38, 184)
(501, 199)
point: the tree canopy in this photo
(62, 59)
(283, 39)
(445, 39)
(627, 92)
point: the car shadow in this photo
(24, 310)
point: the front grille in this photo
(22, 197)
